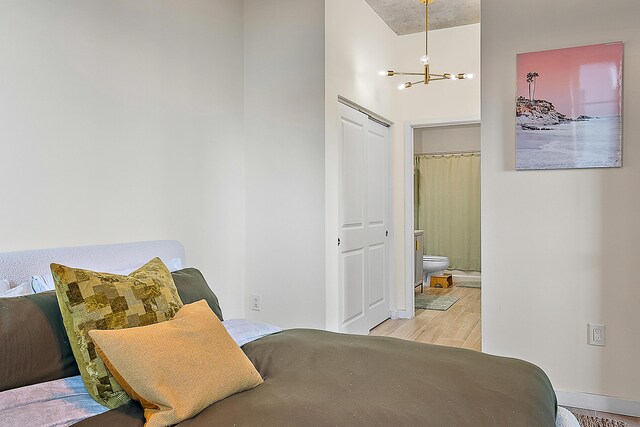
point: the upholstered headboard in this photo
(17, 267)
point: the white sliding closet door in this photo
(363, 222)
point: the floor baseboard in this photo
(401, 314)
(598, 402)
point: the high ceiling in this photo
(407, 16)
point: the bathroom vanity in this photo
(418, 279)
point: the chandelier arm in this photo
(407, 74)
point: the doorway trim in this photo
(409, 252)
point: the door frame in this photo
(391, 241)
(409, 252)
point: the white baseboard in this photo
(597, 402)
(401, 314)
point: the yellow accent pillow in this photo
(90, 300)
(177, 368)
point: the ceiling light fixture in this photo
(424, 60)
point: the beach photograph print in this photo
(569, 108)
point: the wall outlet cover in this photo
(596, 334)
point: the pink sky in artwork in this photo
(578, 81)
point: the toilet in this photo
(432, 264)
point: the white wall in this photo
(284, 124)
(121, 121)
(142, 106)
(451, 50)
(559, 248)
(358, 45)
(446, 139)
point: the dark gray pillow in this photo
(192, 287)
(33, 341)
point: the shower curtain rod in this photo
(444, 153)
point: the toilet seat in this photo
(435, 258)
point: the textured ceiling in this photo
(407, 16)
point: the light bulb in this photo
(453, 77)
(464, 76)
(424, 60)
(401, 87)
(384, 73)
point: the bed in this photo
(311, 377)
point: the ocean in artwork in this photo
(589, 143)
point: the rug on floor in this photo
(589, 421)
(435, 302)
(469, 284)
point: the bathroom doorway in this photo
(447, 196)
(447, 220)
(442, 219)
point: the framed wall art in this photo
(569, 108)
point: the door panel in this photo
(353, 274)
(377, 275)
(363, 223)
(376, 170)
(352, 171)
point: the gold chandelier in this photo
(426, 75)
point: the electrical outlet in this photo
(255, 303)
(596, 334)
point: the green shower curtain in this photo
(447, 207)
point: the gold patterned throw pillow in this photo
(90, 300)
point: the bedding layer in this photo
(321, 378)
(56, 403)
(66, 401)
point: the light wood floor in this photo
(457, 327)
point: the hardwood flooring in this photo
(457, 327)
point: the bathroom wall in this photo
(447, 139)
(560, 247)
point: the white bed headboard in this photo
(17, 267)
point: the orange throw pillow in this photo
(179, 367)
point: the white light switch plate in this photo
(256, 305)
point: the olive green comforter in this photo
(317, 378)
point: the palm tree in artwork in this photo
(531, 80)
(535, 78)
